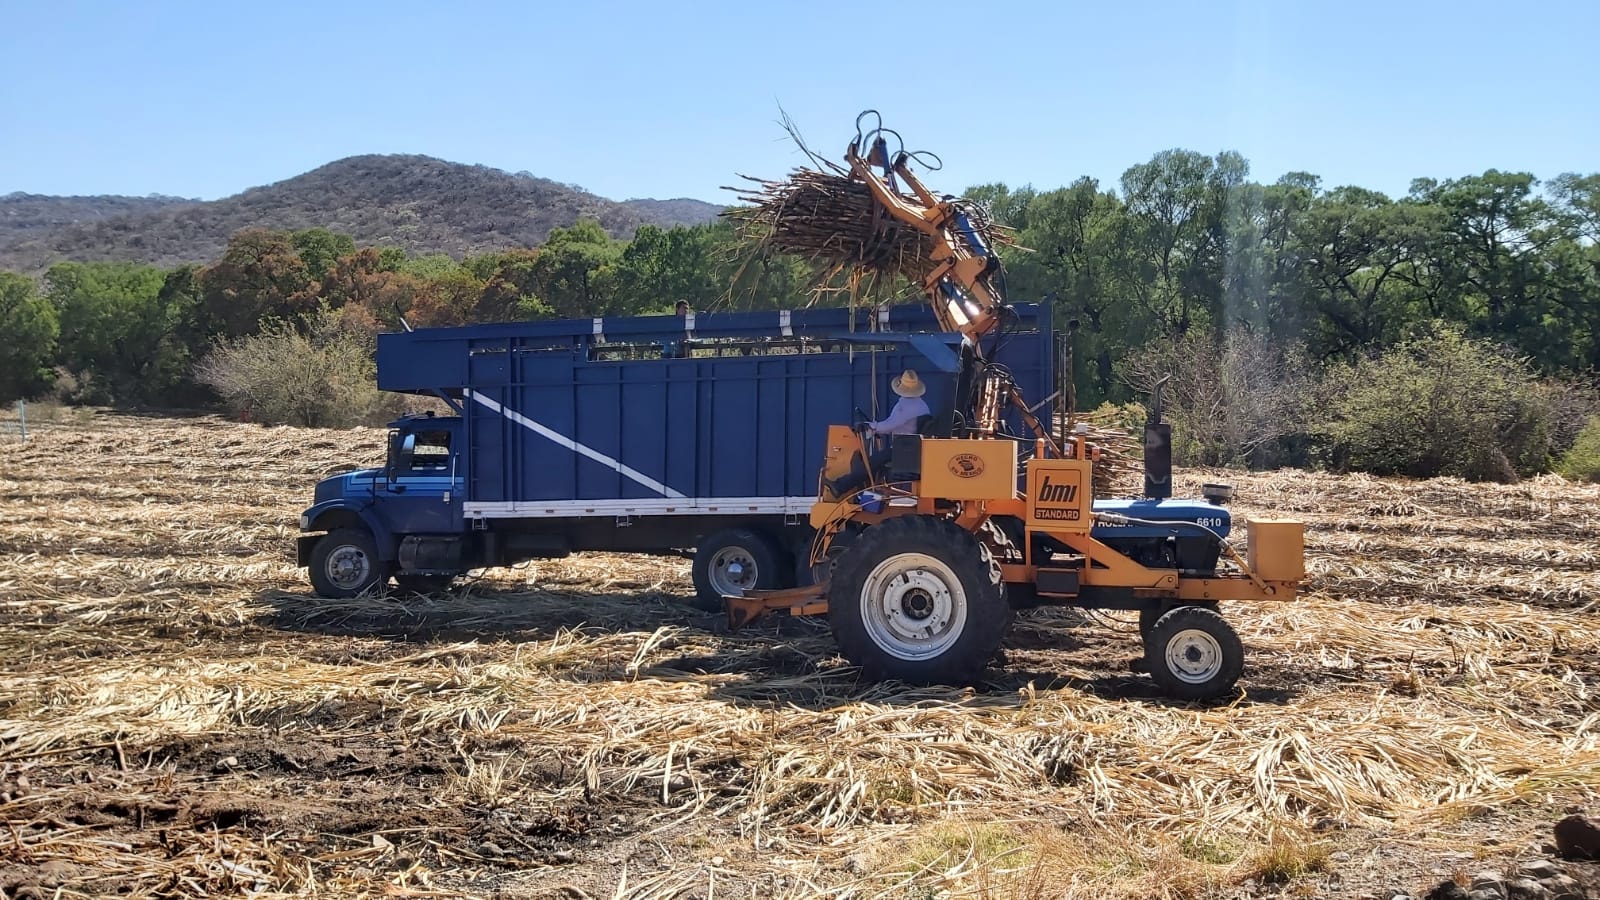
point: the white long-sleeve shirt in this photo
(902, 419)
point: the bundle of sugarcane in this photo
(834, 220)
(1120, 469)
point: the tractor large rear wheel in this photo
(919, 599)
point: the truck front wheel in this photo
(919, 599)
(345, 563)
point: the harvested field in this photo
(178, 716)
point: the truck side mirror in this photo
(401, 452)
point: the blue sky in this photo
(672, 99)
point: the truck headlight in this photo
(305, 522)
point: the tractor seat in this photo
(905, 451)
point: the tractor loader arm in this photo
(966, 288)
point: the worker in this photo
(904, 418)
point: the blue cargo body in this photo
(654, 434)
(555, 426)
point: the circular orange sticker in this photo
(966, 465)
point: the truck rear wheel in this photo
(919, 599)
(733, 561)
(1193, 653)
(345, 563)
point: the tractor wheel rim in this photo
(913, 606)
(348, 566)
(732, 571)
(1194, 656)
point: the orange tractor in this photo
(920, 562)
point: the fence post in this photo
(22, 417)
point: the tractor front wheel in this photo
(1193, 653)
(919, 599)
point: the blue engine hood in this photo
(345, 484)
(1211, 516)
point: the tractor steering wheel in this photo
(859, 420)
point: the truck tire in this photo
(919, 599)
(1193, 653)
(345, 563)
(733, 561)
(823, 571)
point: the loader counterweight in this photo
(1277, 550)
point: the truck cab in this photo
(402, 520)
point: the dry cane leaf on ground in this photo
(179, 716)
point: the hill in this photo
(25, 217)
(667, 213)
(418, 203)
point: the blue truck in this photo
(679, 434)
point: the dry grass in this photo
(179, 716)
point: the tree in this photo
(1573, 264)
(575, 271)
(1075, 250)
(1489, 254)
(1008, 207)
(363, 279)
(1264, 285)
(1176, 203)
(510, 284)
(448, 297)
(660, 266)
(320, 248)
(1232, 399)
(118, 329)
(1357, 246)
(260, 275)
(1578, 198)
(28, 331)
(1440, 404)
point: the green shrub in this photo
(1582, 461)
(1440, 404)
(318, 372)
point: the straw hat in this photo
(907, 384)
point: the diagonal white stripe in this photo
(570, 444)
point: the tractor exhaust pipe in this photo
(1157, 450)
